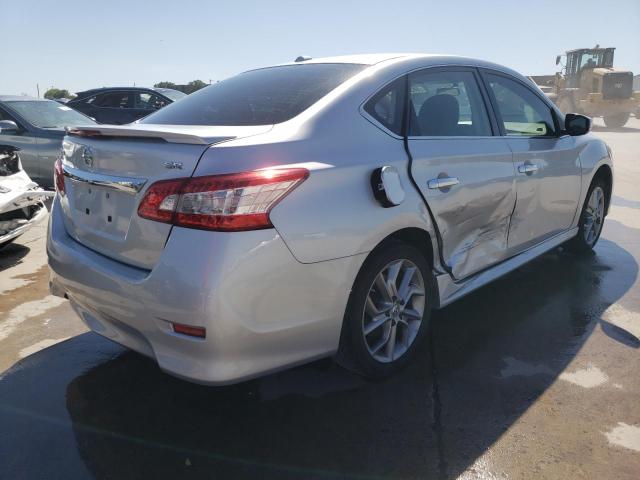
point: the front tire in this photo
(591, 218)
(388, 312)
(616, 121)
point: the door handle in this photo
(528, 168)
(443, 182)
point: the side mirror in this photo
(8, 127)
(558, 59)
(575, 124)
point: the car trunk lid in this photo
(107, 170)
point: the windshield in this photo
(171, 94)
(594, 59)
(258, 97)
(48, 114)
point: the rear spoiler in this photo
(190, 134)
(119, 132)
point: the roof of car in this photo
(375, 58)
(363, 59)
(104, 89)
(14, 98)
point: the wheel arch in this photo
(414, 236)
(605, 174)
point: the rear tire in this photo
(591, 218)
(388, 312)
(616, 121)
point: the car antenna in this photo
(302, 58)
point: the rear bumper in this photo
(262, 309)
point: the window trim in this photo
(559, 132)
(7, 110)
(402, 108)
(496, 124)
(493, 123)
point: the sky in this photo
(79, 45)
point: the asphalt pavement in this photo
(534, 376)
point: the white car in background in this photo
(319, 208)
(21, 200)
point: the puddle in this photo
(627, 436)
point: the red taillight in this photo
(231, 202)
(160, 201)
(58, 177)
(199, 332)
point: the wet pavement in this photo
(534, 376)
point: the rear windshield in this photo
(259, 97)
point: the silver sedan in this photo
(319, 208)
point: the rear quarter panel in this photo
(333, 213)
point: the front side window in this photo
(387, 107)
(446, 104)
(523, 113)
(258, 97)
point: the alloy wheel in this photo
(594, 216)
(394, 310)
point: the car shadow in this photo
(12, 254)
(88, 408)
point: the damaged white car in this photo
(21, 200)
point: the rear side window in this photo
(523, 112)
(259, 97)
(446, 104)
(112, 100)
(386, 106)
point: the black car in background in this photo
(120, 105)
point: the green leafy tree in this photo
(194, 86)
(166, 85)
(55, 93)
(190, 87)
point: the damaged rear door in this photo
(465, 172)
